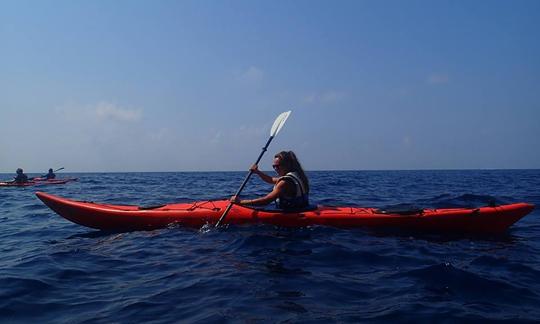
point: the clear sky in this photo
(196, 85)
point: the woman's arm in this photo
(265, 177)
(273, 195)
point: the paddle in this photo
(276, 127)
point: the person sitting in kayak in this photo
(291, 188)
(50, 175)
(21, 177)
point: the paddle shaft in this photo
(245, 181)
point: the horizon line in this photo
(315, 170)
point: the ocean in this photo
(55, 271)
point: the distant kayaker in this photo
(291, 188)
(21, 177)
(50, 175)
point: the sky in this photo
(121, 86)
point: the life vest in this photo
(21, 178)
(301, 198)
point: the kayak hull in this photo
(197, 214)
(37, 182)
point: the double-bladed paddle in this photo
(62, 168)
(276, 127)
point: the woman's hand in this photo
(235, 200)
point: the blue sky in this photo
(196, 85)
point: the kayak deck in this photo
(125, 217)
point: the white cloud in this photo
(252, 75)
(438, 79)
(216, 139)
(406, 141)
(105, 110)
(249, 131)
(159, 134)
(330, 96)
(311, 98)
(99, 112)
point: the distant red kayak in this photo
(37, 182)
(117, 217)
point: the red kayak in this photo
(117, 217)
(36, 182)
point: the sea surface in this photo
(54, 271)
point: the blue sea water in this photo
(55, 271)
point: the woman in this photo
(291, 188)
(21, 177)
(50, 175)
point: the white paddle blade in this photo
(279, 122)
